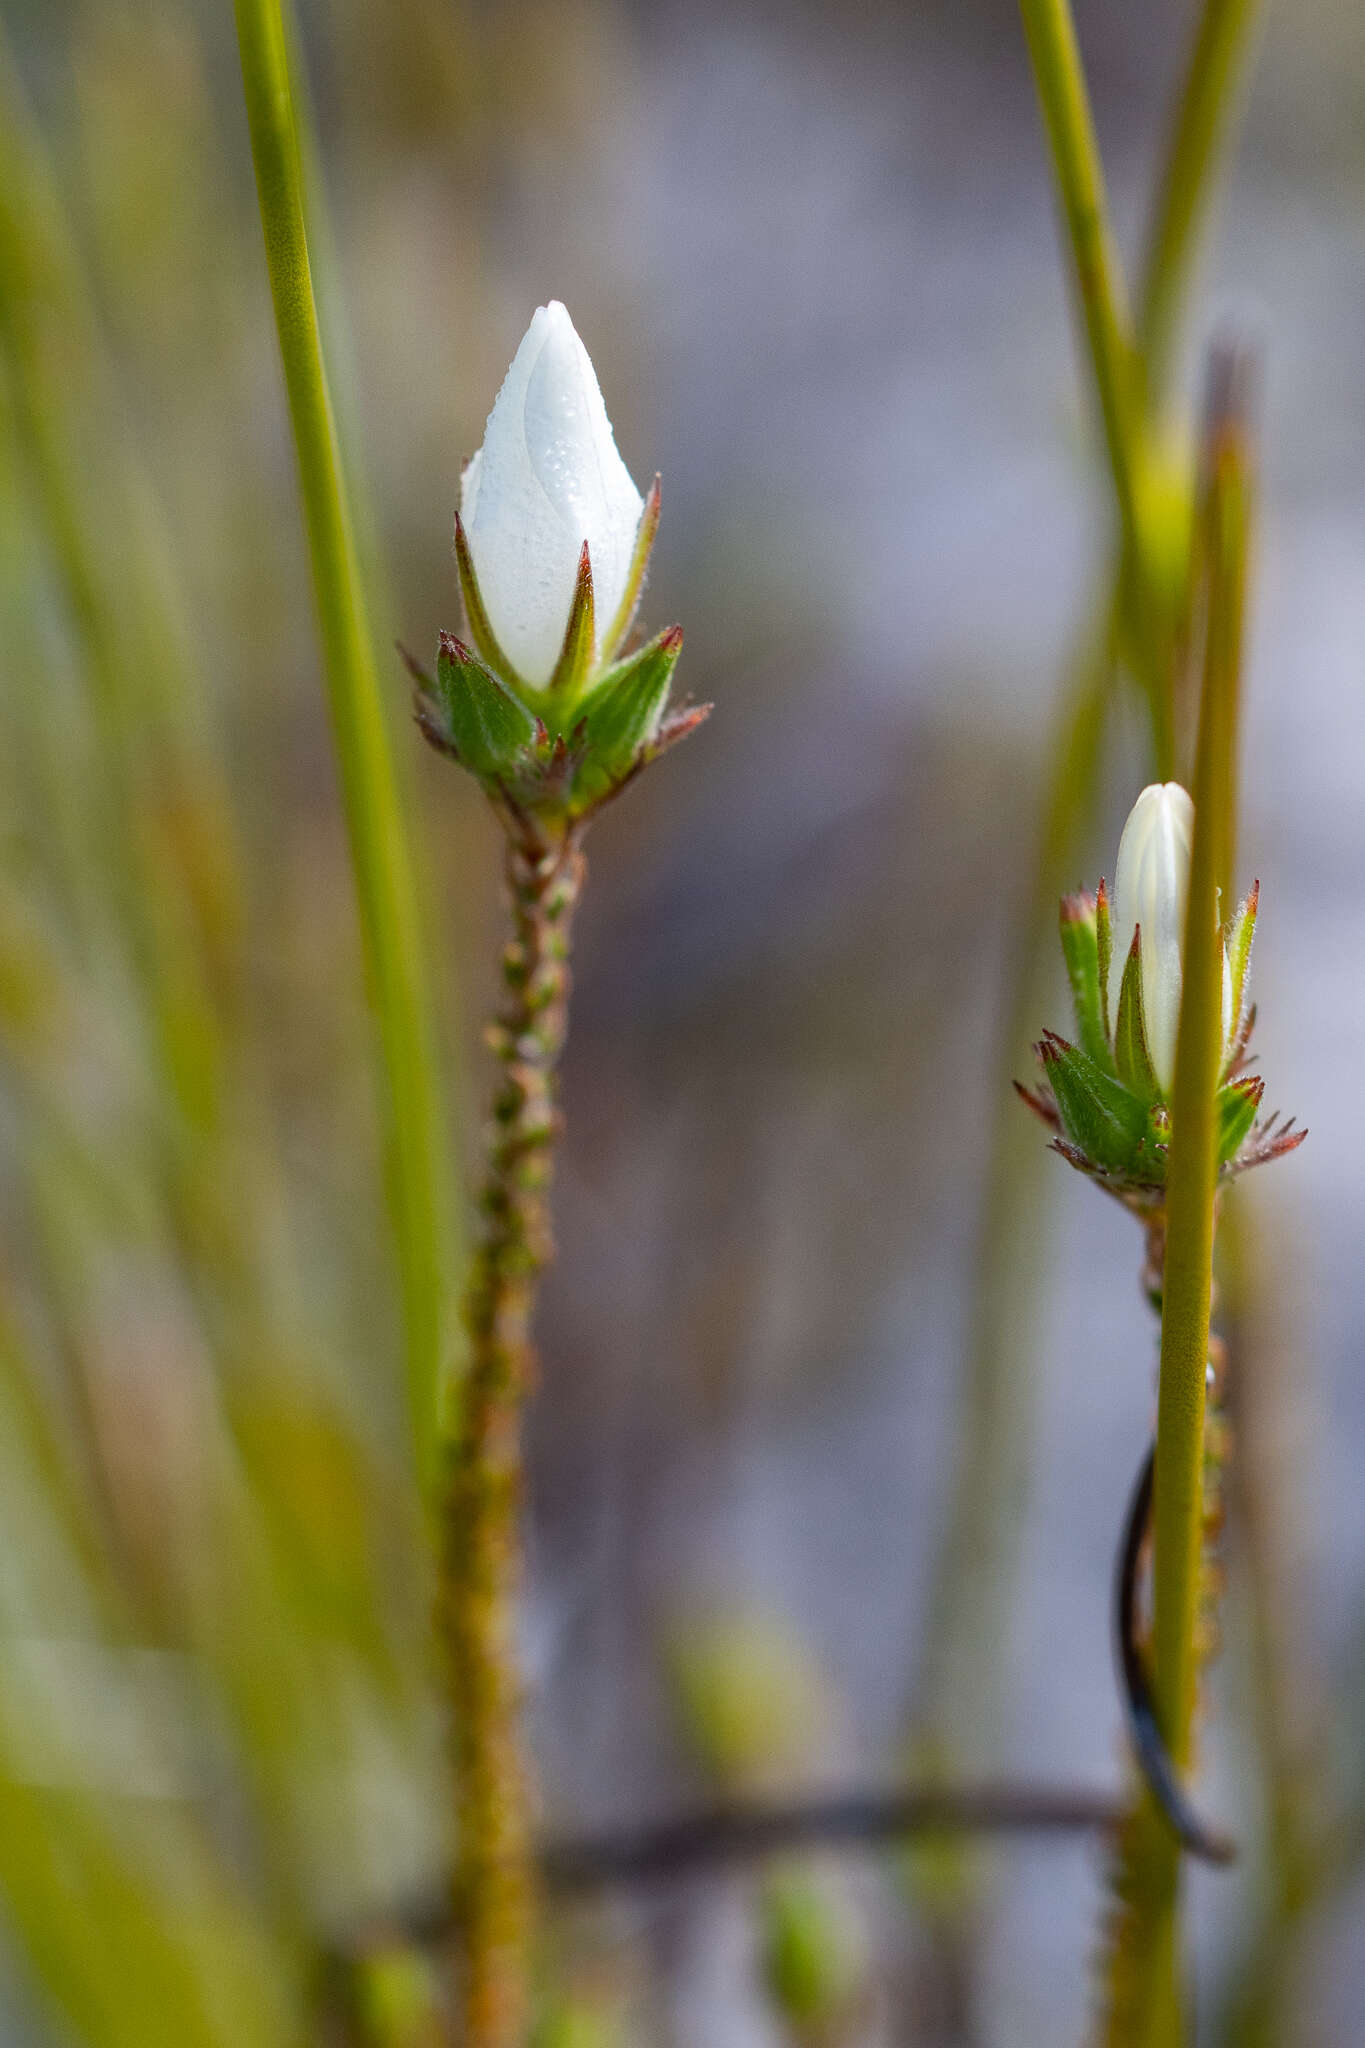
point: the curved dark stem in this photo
(1154, 1759)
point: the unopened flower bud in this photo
(1151, 889)
(548, 479)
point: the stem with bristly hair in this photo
(481, 1554)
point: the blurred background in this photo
(845, 1379)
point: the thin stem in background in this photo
(1098, 277)
(480, 1584)
(419, 1189)
(718, 1838)
(972, 1593)
(1197, 143)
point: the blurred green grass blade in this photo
(126, 1917)
(1201, 119)
(147, 789)
(382, 860)
(129, 1955)
(1079, 180)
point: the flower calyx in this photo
(543, 760)
(1101, 1094)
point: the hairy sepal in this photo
(621, 719)
(1099, 1115)
(1238, 1105)
(1080, 948)
(488, 727)
(1132, 1060)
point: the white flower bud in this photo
(548, 478)
(1151, 889)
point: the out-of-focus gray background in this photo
(813, 253)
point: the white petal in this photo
(469, 486)
(1151, 888)
(548, 478)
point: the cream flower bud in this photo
(1151, 889)
(547, 479)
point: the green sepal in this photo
(476, 615)
(645, 532)
(577, 654)
(488, 727)
(1099, 1115)
(620, 718)
(1241, 930)
(1080, 947)
(1238, 1104)
(1131, 1057)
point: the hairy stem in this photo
(380, 855)
(481, 1554)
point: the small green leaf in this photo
(620, 718)
(1238, 1104)
(489, 728)
(1098, 1114)
(1131, 1057)
(577, 654)
(1080, 946)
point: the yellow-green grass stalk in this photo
(381, 855)
(124, 794)
(1196, 144)
(1101, 296)
(45, 337)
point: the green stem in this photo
(1079, 178)
(481, 1552)
(972, 1575)
(1145, 2010)
(380, 854)
(1198, 133)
